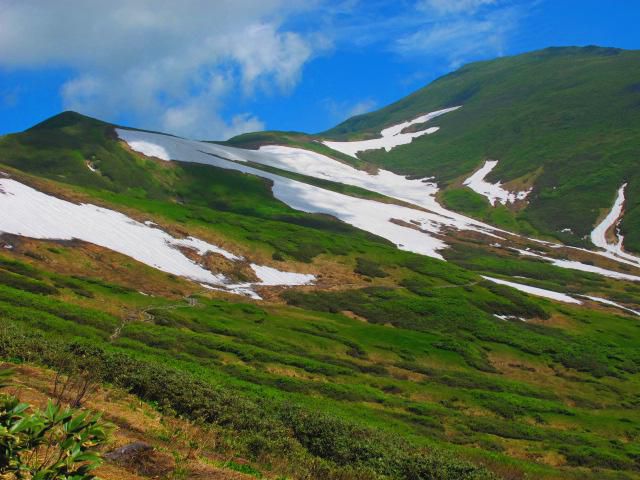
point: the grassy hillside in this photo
(393, 366)
(542, 399)
(568, 116)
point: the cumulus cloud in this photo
(168, 65)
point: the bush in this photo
(53, 444)
(299, 433)
(369, 268)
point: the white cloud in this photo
(460, 30)
(339, 111)
(444, 7)
(361, 107)
(169, 65)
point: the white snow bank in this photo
(575, 265)
(612, 303)
(150, 149)
(30, 213)
(540, 292)
(419, 192)
(509, 317)
(272, 276)
(411, 229)
(599, 233)
(493, 191)
(391, 136)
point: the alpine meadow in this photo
(444, 288)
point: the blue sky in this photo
(213, 69)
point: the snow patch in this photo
(599, 233)
(273, 276)
(493, 191)
(391, 136)
(575, 265)
(410, 229)
(540, 292)
(509, 317)
(34, 214)
(611, 303)
(203, 247)
(150, 149)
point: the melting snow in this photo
(509, 317)
(419, 192)
(201, 246)
(34, 214)
(149, 149)
(272, 276)
(575, 265)
(599, 233)
(612, 303)
(391, 136)
(493, 191)
(410, 229)
(540, 292)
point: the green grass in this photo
(405, 373)
(433, 375)
(573, 112)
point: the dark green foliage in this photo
(281, 427)
(369, 268)
(25, 283)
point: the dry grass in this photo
(180, 449)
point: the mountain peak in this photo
(66, 119)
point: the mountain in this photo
(562, 121)
(394, 298)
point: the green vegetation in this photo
(470, 203)
(573, 112)
(395, 365)
(52, 444)
(413, 400)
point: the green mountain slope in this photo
(570, 117)
(392, 365)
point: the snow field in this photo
(391, 137)
(30, 213)
(493, 191)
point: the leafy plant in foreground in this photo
(54, 444)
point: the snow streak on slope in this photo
(606, 301)
(599, 234)
(540, 292)
(583, 267)
(273, 276)
(410, 229)
(493, 191)
(391, 136)
(419, 192)
(30, 213)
